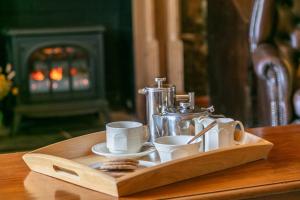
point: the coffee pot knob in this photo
(184, 107)
(159, 81)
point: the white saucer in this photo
(101, 149)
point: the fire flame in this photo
(37, 75)
(56, 73)
(73, 71)
(48, 51)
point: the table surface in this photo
(280, 173)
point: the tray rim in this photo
(116, 182)
(263, 142)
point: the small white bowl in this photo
(174, 147)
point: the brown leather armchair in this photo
(275, 45)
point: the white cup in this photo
(124, 137)
(222, 135)
(174, 147)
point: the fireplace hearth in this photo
(59, 72)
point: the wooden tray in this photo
(71, 161)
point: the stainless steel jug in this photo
(179, 121)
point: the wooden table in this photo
(278, 177)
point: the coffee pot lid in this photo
(158, 87)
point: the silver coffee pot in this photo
(160, 97)
(180, 120)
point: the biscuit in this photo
(118, 167)
(120, 163)
(123, 160)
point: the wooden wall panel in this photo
(146, 51)
(174, 45)
(158, 48)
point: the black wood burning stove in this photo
(59, 72)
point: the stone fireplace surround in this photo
(70, 99)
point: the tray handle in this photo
(63, 171)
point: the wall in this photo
(229, 68)
(115, 15)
